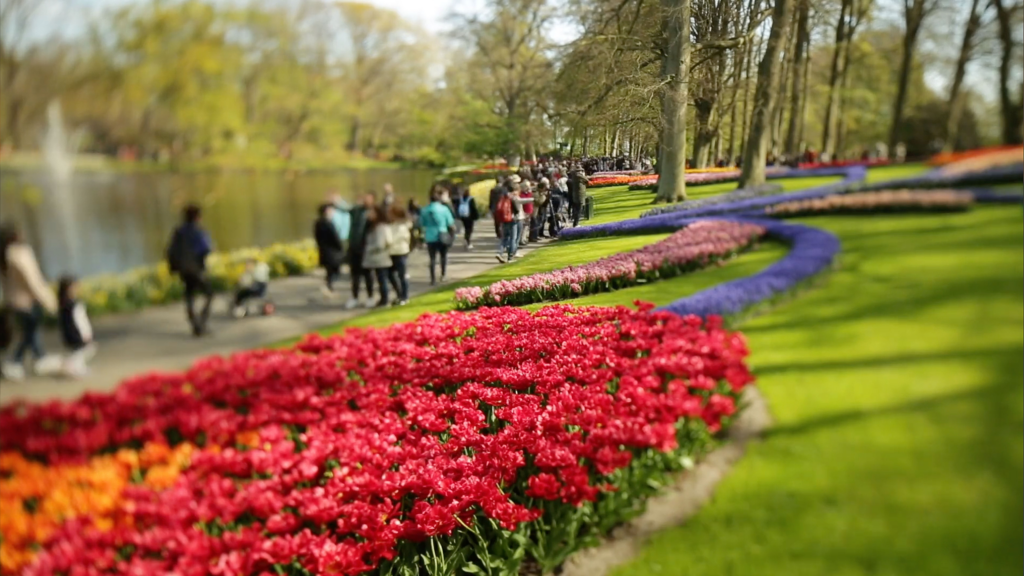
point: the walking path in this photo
(158, 339)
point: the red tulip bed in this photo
(462, 443)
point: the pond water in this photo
(111, 222)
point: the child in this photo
(75, 329)
(252, 284)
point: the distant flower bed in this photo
(945, 158)
(608, 173)
(701, 178)
(884, 201)
(844, 163)
(693, 247)
(154, 285)
(463, 442)
(618, 180)
(984, 160)
(734, 196)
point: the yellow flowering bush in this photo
(154, 285)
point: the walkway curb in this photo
(681, 501)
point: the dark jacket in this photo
(189, 247)
(70, 331)
(328, 243)
(357, 231)
(496, 193)
(474, 213)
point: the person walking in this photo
(541, 200)
(26, 296)
(505, 215)
(342, 220)
(329, 246)
(186, 257)
(438, 223)
(468, 214)
(357, 243)
(525, 220)
(499, 191)
(577, 194)
(377, 253)
(401, 246)
(389, 196)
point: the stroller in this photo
(560, 208)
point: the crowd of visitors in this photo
(372, 238)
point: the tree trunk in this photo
(956, 103)
(355, 135)
(757, 141)
(1011, 110)
(748, 112)
(835, 77)
(914, 15)
(705, 132)
(735, 106)
(794, 132)
(676, 73)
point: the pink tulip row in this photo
(693, 247)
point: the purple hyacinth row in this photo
(743, 206)
(734, 196)
(1013, 173)
(758, 197)
(811, 252)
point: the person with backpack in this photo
(186, 257)
(505, 215)
(439, 233)
(468, 214)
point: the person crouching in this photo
(75, 329)
(252, 285)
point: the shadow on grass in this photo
(873, 363)
(850, 416)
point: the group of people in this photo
(26, 298)
(535, 203)
(374, 239)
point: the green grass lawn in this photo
(895, 172)
(619, 203)
(896, 389)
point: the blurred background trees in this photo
(261, 82)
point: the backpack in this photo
(503, 213)
(464, 208)
(180, 257)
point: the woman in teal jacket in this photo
(438, 224)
